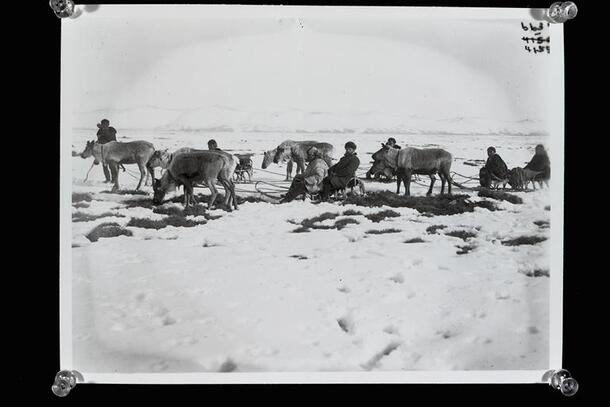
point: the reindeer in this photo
(409, 161)
(188, 168)
(302, 152)
(299, 152)
(116, 153)
(268, 159)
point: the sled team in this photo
(496, 172)
(316, 174)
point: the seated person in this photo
(540, 163)
(495, 166)
(311, 180)
(340, 174)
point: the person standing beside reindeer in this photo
(213, 145)
(392, 143)
(105, 134)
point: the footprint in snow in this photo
(391, 329)
(346, 324)
(163, 316)
(482, 340)
(398, 278)
(446, 334)
(502, 295)
(374, 361)
(344, 289)
(168, 320)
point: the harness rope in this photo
(268, 192)
(131, 173)
(270, 172)
(280, 187)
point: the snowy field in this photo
(242, 292)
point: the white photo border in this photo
(556, 109)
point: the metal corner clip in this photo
(563, 381)
(562, 11)
(62, 8)
(65, 380)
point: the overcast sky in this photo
(428, 68)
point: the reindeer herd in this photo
(187, 166)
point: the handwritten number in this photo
(536, 38)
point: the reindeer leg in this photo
(441, 175)
(300, 166)
(214, 192)
(432, 181)
(448, 178)
(191, 195)
(149, 175)
(227, 189)
(399, 175)
(407, 181)
(232, 187)
(142, 169)
(185, 187)
(114, 171)
(228, 186)
(289, 170)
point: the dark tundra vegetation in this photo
(382, 231)
(500, 196)
(85, 217)
(172, 220)
(314, 223)
(524, 240)
(430, 205)
(109, 229)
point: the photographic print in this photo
(310, 189)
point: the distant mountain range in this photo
(219, 119)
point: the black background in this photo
(34, 336)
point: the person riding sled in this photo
(495, 169)
(340, 174)
(310, 181)
(540, 163)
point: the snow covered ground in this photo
(244, 293)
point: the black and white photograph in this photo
(268, 189)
